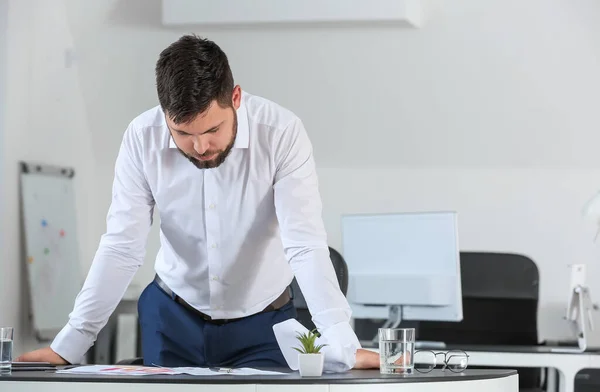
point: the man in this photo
(233, 178)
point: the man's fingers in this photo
(27, 357)
(403, 359)
(45, 354)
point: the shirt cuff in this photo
(339, 340)
(71, 344)
(342, 344)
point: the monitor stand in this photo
(580, 313)
(393, 321)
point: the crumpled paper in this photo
(339, 354)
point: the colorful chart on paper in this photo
(127, 370)
(51, 245)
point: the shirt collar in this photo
(242, 138)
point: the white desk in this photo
(509, 357)
(567, 365)
(353, 381)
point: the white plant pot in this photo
(311, 365)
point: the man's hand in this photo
(45, 354)
(366, 359)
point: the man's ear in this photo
(236, 97)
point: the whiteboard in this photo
(51, 248)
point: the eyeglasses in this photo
(425, 361)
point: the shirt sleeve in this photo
(299, 208)
(120, 253)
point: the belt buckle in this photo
(217, 322)
(209, 319)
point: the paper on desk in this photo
(147, 370)
(338, 357)
(119, 370)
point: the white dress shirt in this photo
(232, 237)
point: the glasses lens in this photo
(424, 361)
(457, 361)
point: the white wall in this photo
(3, 74)
(11, 313)
(45, 122)
(487, 109)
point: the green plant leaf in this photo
(307, 341)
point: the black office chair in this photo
(500, 293)
(341, 270)
(500, 305)
(304, 317)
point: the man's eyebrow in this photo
(208, 130)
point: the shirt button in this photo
(213, 246)
(212, 206)
(215, 277)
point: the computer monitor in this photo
(403, 266)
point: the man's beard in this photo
(221, 155)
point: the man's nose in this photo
(200, 145)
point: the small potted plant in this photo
(310, 357)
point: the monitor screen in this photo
(411, 260)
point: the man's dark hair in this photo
(191, 73)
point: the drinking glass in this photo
(6, 344)
(396, 350)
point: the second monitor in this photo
(403, 266)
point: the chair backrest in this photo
(500, 302)
(341, 271)
(500, 306)
(499, 275)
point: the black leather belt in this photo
(283, 299)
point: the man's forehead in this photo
(199, 124)
(211, 110)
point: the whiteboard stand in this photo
(51, 246)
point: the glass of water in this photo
(396, 350)
(6, 344)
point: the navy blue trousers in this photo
(175, 336)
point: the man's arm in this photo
(120, 253)
(298, 205)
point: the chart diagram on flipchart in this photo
(51, 245)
